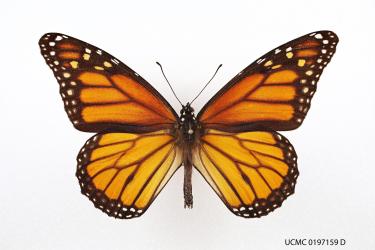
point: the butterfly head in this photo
(187, 109)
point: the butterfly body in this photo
(189, 136)
(140, 141)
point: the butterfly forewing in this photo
(100, 92)
(276, 90)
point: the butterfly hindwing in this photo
(122, 173)
(252, 172)
(276, 90)
(102, 93)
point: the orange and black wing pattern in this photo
(124, 167)
(122, 173)
(101, 93)
(252, 172)
(275, 91)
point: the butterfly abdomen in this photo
(188, 186)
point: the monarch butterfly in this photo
(232, 142)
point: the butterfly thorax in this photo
(188, 126)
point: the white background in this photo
(41, 206)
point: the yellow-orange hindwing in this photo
(252, 172)
(122, 173)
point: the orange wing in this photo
(100, 92)
(275, 91)
(122, 173)
(252, 172)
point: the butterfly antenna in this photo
(162, 71)
(207, 83)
